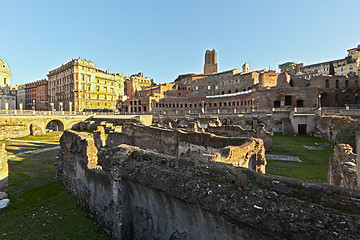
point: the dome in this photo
(4, 67)
(4, 74)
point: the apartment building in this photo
(78, 85)
(36, 95)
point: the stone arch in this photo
(55, 125)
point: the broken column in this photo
(99, 137)
(4, 173)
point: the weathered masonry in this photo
(241, 151)
(140, 194)
(4, 171)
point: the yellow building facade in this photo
(4, 74)
(78, 85)
(349, 66)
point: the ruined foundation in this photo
(140, 194)
(342, 167)
(239, 151)
(237, 131)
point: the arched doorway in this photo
(55, 125)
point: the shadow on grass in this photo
(41, 207)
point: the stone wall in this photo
(245, 152)
(328, 127)
(237, 131)
(138, 194)
(4, 171)
(13, 131)
(342, 167)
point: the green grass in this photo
(315, 163)
(41, 207)
(51, 137)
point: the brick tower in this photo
(210, 65)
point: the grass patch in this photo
(315, 163)
(51, 137)
(41, 207)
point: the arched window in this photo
(337, 84)
(347, 83)
(327, 83)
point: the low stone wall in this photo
(342, 167)
(328, 127)
(13, 131)
(138, 194)
(244, 152)
(237, 131)
(4, 171)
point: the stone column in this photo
(4, 171)
(99, 137)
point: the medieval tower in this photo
(210, 65)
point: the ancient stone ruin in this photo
(237, 131)
(239, 151)
(135, 193)
(342, 167)
(4, 173)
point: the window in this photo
(276, 104)
(347, 83)
(196, 88)
(337, 84)
(327, 83)
(288, 100)
(351, 67)
(299, 103)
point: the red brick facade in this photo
(36, 95)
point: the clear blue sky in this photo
(166, 38)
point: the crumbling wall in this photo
(342, 167)
(13, 131)
(4, 171)
(237, 131)
(35, 130)
(139, 194)
(245, 152)
(329, 127)
(99, 137)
